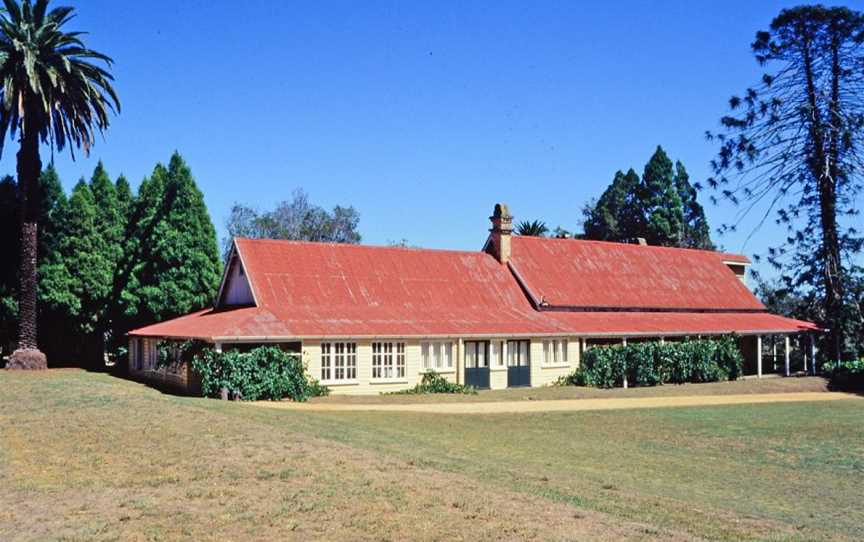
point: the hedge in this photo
(653, 363)
(262, 373)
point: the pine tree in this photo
(695, 232)
(175, 267)
(77, 279)
(661, 203)
(616, 215)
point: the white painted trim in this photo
(246, 274)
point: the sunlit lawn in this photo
(87, 456)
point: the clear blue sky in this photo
(422, 115)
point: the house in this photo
(520, 312)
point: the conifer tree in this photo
(660, 206)
(661, 203)
(695, 232)
(77, 279)
(616, 216)
(175, 265)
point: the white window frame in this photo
(338, 362)
(555, 352)
(437, 356)
(388, 361)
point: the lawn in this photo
(88, 456)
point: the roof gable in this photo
(570, 273)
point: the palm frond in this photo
(51, 79)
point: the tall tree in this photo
(77, 277)
(695, 231)
(296, 219)
(534, 228)
(52, 92)
(174, 261)
(792, 147)
(616, 216)
(661, 204)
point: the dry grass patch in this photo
(89, 457)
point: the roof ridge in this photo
(357, 246)
(623, 244)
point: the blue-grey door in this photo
(518, 364)
(477, 364)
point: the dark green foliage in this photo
(297, 220)
(845, 375)
(653, 363)
(617, 215)
(172, 264)
(660, 206)
(433, 382)
(264, 373)
(77, 277)
(536, 228)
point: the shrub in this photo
(262, 373)
(653, 363)
(433, 382)
(579, 377)
(845, 374)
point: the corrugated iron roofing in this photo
(575, 273)
(332, 290)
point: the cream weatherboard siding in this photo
(364, 384)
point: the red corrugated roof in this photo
(332, 290)
(321, 289)
(575, 273)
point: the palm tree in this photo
(537, 228)
(52, 92)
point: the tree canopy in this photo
(659, 206)
(296, 219)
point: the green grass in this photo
(86, 456)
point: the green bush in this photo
(262, 373)
(433, 382)
(845, 374)
(579, 377)
(654, 363)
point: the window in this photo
(436, 355)
(517, 353)
(496, 352)
(388, 360)
(338, 361)
(555, 352)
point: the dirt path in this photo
(508, 407)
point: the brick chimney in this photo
(501, 233)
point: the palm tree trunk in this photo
(28, 356)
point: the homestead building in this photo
(520, 312)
